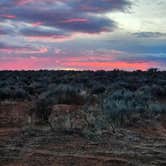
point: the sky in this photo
(82, 34)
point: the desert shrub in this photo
(62, 94)
(121, 104)
(152, 70)
(5, 93)
(66, 94)
(121, 93)
(13, 93)
(157, 108)
(157, 90)
(98, 90)
(34, 88)
(20, 93)
(42, 109)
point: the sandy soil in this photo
(41, 147)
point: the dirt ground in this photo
(41, 147)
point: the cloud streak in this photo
(9, 49)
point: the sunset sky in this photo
(82, 34)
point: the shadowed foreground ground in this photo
(41, 147)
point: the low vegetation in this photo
(121, 98)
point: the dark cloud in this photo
(31, 31)
(69, 22)
(3, 32)
(70, 16)
(41, 34)
(100, 5)
(6, 30)
(92, 25)
(149, 34)
(7, 46)
(82, 5)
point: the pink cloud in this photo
(23, 2)
(26, 63)
(103, 62)
(24, 50)
(77, 63)
(110, 65)
(9, 16)
(36, 24)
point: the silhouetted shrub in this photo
(5, 93)
(20, 94)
